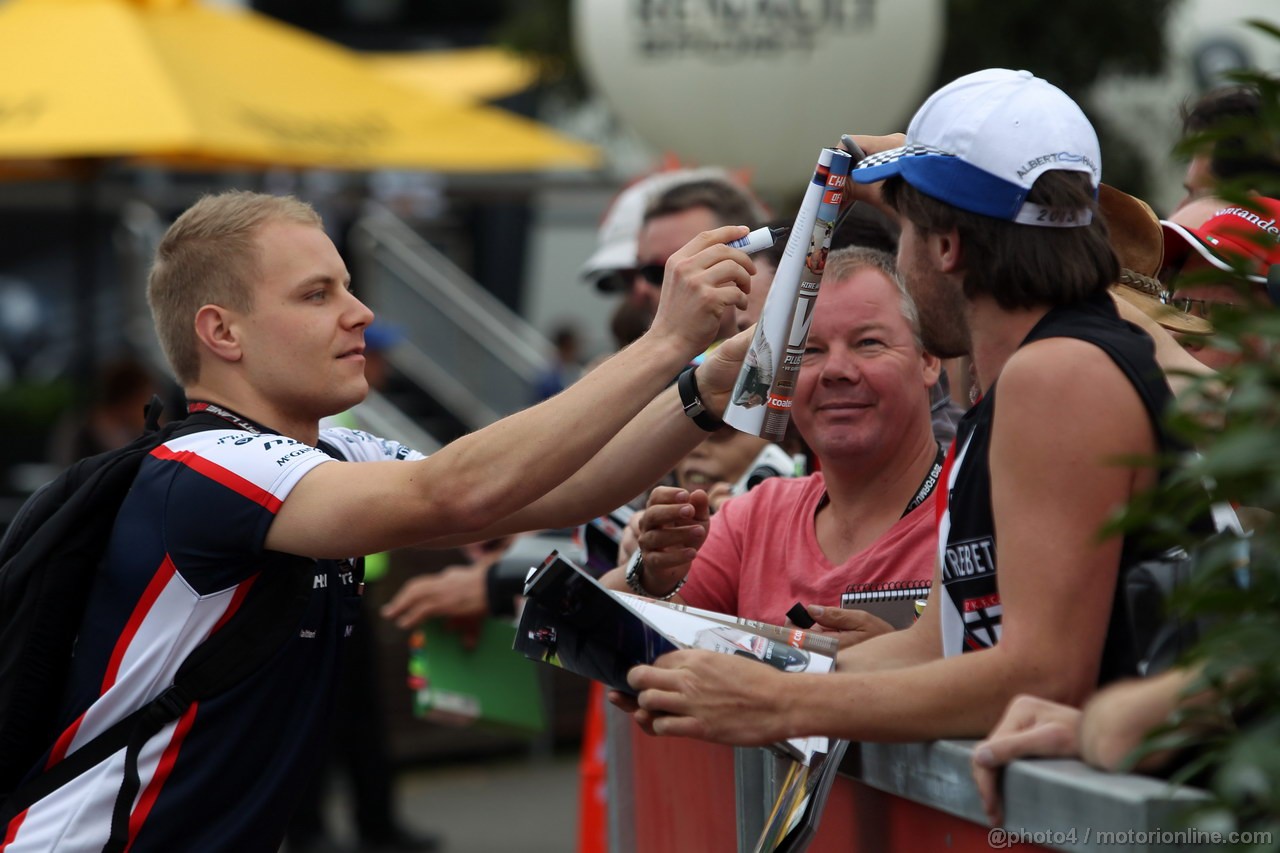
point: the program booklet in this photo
(571, 621)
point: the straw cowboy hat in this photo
(1138, 241)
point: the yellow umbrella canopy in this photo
(472, 73)
(175, 80)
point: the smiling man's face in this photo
(864, 381)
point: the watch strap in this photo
(691, 401)
(634, 577)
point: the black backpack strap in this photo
(151, 414)
(131, 732)
(249, 640)
(166, 707)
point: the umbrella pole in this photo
(84, 283)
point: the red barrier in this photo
(684, 795)
(684, 802)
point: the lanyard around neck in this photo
(238, 420)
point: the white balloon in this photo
(761, 84)
(1212, 37)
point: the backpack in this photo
(49, 557)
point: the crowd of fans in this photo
(978, 288)
(1076, 319)
(980, 250)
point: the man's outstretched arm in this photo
(343, 509)
(643, 451)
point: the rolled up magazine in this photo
(761, 399)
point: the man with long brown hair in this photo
(1008, 260)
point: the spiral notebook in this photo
(893, 601)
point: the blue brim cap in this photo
(946, 178)
(980, 143)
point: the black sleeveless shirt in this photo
(971, 608)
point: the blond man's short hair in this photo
(209, 257)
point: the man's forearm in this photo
(636, 458)
(959, 697)
(645, 449)
(522, 458)
(908, 647)
(1117, 719)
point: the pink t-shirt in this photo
(762, 556)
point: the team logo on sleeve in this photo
(983, 616)
(969, 577)
(968, 559)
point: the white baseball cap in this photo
(621, 226)
(980, 142)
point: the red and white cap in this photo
(1241, 237)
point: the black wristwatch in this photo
(691, 400)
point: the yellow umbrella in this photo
(472, 73)
(179, 81)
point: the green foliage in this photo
(1235, 424)
(29, 412)
(33, 406)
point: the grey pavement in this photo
(520, 804)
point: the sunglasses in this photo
(1194, 307)
(618, 281)
(652, 273)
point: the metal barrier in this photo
(476, 357)
(676, 795)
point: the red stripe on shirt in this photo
(14, 826)
(167, 759)
(59, 751)
(237, 599)
(158, 582)
(945, 491)
(63, 743)
(221, 475)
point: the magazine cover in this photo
(573, 622)
(761, 400)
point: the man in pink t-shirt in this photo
(867, 517)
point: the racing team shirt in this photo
(184, 553)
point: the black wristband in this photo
(691, 400)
